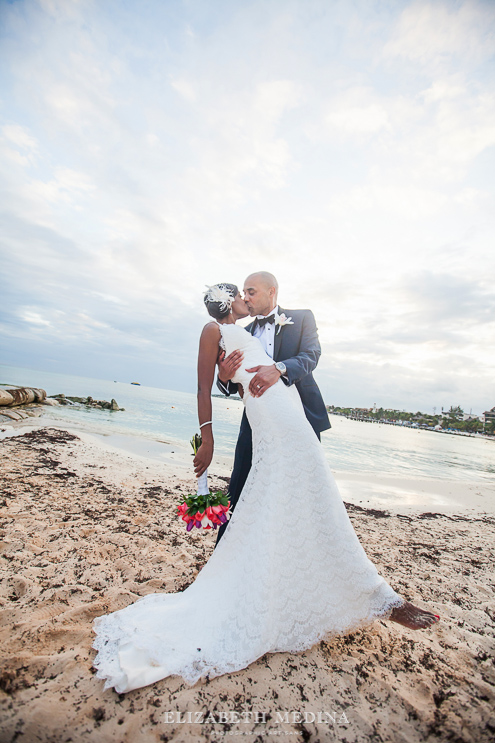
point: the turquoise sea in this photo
(166, 416)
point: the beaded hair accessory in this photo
(219, 293)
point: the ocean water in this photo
(350, 446)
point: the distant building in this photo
(488, 416)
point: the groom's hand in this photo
(227, 367)
(265, 377)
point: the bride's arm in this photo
(207, 359)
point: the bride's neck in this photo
(229, 320)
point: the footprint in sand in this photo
(47, 611)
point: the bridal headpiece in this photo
(220, 293)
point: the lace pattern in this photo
(221, 342)
(288, 572)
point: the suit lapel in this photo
(278, 337)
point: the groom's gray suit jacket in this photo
(298, 347)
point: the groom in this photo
(290, 338)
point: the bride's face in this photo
(239, 309)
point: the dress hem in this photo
(211, 671)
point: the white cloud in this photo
(34, 318)
(20, 136)
(407, 202)
(185, 88)
(358, 111)
(433, 32)
(360, 120)
(272, 99)
(62, 7)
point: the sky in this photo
(150, 148)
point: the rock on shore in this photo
(21, 396)
(26, 401)
(67, 400)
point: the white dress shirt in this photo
(266, 334)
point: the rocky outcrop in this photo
(18, 403)
(18, 414)
(88, 401)
(21, 396)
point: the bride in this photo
(289, 570)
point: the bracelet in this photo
(205, 424)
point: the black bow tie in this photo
(263, 320)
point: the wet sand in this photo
(87, 529)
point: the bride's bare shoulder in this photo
(211, 331)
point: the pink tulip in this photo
(211, 517)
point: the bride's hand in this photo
(203, 458)
(227, 367)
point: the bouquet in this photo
(204, 510)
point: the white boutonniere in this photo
(283, 320)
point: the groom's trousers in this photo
(242, 465)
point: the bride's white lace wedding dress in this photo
(288, 572)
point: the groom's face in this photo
(259, 297)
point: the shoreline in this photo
(415, 495)
(380, 490)
(452, 431)
(167, 453)
(86, 534)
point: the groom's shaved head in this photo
(265, 277)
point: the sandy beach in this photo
(87, 529)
